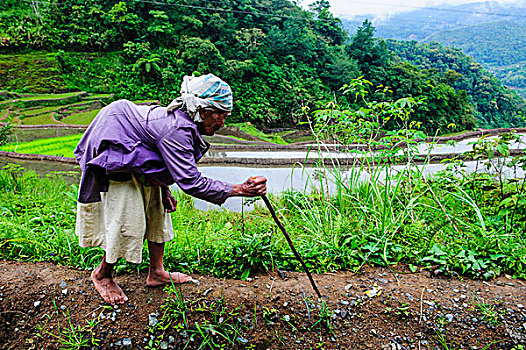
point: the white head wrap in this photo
(201, 92)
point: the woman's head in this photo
(201, 93)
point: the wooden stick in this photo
(287, 237)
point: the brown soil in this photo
(40, 301)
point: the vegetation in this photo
(277, 58)
(493, 104)
(454, 222)
(62, 146)
(5, 133)
(499, 46)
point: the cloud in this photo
(380, 8)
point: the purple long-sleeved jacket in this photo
(157, 147)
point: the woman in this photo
(129, 156)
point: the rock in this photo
(64, 291)
(286, 318)
(36, 303)
(242, 340)
(164, 345)
(171, 339)
(152, 320)
(127, 343)
(520, 306)
(343, 313)
(345, 302)
(62, 284)
(62, 307)
(285, 304)
(449, 317)
(348, 287)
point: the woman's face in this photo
(213, 120)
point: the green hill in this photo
(499, 46)
(277, 57)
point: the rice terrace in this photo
(395, 207)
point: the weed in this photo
(75, 336)
(324, 317)
(488, 311)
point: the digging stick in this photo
(287, 237)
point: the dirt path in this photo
(274, 311)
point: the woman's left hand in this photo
(169, 201)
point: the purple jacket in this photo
(156, 147)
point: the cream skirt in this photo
(127, 214)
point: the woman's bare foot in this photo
(107, 288)
(159, 278)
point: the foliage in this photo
(277, 61)
(6, 131)
(493, 104)
(62, 146)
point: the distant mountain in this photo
(420, 23)
(499, 46)
(493, 33)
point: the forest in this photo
(279, 59)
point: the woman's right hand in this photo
(253, 187)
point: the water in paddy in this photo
(422, 148)
(283, 179)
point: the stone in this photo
(152, 320)
(127, 343)
(242, 340)
(36, 303)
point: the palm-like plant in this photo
(150, 65)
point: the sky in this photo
(382, 8)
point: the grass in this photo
(252, 130)
(39, 110)
(97, 96)
(82, 118)
(26, 135)
(445, 223)
(42, 119)
(60, 146)
(49, 96)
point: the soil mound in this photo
(377, 309)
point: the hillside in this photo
(499, 46)
(277, 57)
(419, 23)
(493, 33)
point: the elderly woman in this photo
(129, 156)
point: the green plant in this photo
(440, 336)
(324, 317)
(6, 131)
(488, 311)
(74, 336)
